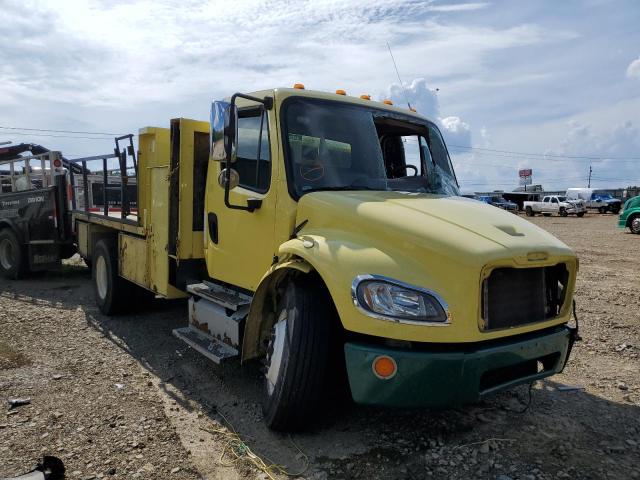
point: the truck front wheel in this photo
(634, 224)
(297, 356)
(529, 211)
(110, 289)
(12, 258)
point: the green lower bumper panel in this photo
(453, 377)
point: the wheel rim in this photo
(276, 351)
(635, 225)
(102, 278)
(7, 254)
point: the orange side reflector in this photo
(341, 92)
(365, 97)
(388, 102)
(384, 367)
(298, 86)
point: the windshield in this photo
(337, 146)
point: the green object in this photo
(630, 211)
(449, 377)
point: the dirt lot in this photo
(122, 398)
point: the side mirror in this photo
(231, 181)
(223, 131)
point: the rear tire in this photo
(297, 357)
(112, 292)
(529, 211)
(615, 209)
(563, 212)
(602, 209)
(581, 214)
(13, 261)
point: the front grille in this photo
(517, 296)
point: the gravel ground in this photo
(121, 398)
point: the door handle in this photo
(212, 221)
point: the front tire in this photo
(112, 292)
(634, 224)
(581, 214)
(12, 256)
(297, 357)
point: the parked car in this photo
(504, 204)
(630, 215)
(595, 199)
(555, 204)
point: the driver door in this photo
(240, 244)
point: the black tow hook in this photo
(51, 468)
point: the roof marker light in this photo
(298, 86)
(365, 97)
(387, 102)
(340, 92)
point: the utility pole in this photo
(590, 170)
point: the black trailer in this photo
(35, 224)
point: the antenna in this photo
(398, 74)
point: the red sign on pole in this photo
(525, 172)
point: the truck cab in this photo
(630, 215)
(324, 234)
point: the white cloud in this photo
(458, 7)
(456, 131)
(633, 70)
(425, 101)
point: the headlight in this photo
(394, 300)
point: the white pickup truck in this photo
(555, 204)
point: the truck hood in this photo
(464, 229)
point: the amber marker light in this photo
(412, 109)
(365, 97)
(384, 367)
(388, 102)
(298, 86)
(341, 92)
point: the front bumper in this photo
(455, 376)
(622, 221)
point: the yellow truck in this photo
(324, 234)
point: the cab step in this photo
(208, 346)
(225, 297)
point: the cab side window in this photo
(253, 162)
(554, 200)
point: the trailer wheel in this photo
(529, 211)
(297, 357)
(12, 258)
(111, 291)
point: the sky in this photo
(547, 85)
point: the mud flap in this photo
(43, 256)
